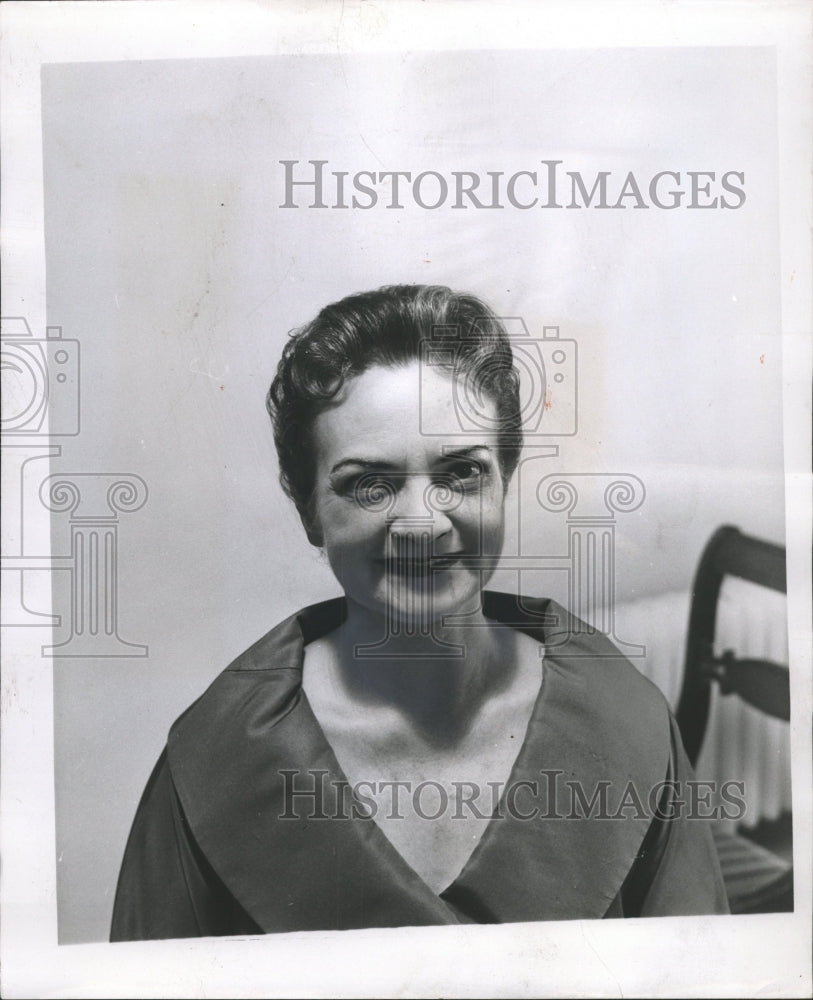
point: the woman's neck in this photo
(410, 669)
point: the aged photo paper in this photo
(183, 184)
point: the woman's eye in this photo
(371, 491)
(466, 472)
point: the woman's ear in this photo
(311, 529)
(315, 538)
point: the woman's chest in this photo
(433, 808)
(433, 799)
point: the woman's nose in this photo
(418, 511)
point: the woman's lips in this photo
(420, 567)
(443, 562)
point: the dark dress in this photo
(211, 854)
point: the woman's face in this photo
(401, 500)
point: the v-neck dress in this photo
(221, 845)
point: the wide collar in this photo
(596, 720)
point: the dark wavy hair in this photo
(388, 327)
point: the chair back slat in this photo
(763, 684)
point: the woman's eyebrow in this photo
(365, 463)
(465, 452)
(380, 464)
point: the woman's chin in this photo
(424, 601)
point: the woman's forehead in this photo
(390, 409)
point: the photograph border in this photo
(730, 956)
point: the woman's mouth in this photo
(420, 567)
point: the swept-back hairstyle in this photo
(391, 326)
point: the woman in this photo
(420, 751)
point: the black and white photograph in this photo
(406, 499)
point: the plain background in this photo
(168, 257)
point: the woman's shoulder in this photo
(265, 678)
(566, 638)
(593, 691)
(282, 646)
(578, 649)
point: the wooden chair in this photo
(756, 880)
